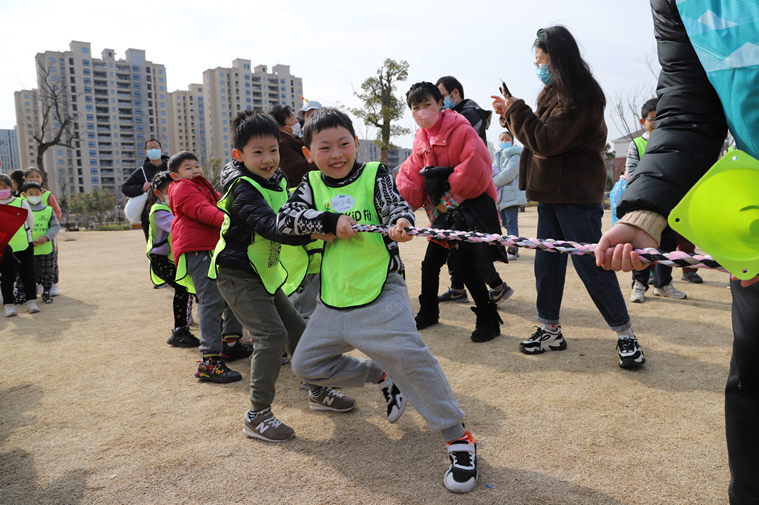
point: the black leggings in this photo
(166, 270)
(26, 271)
(463, 260)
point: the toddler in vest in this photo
(162, 269)
(33, 174)
(194, 234)
(46, 228)
(248, 268)
(23, 250)
(364, 303)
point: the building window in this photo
(86, 71)
(86, 62)
(85, 50)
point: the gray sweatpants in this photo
(386, 332)
(211, 305)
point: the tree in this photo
(213, 173)
(99, 202)
(57, 126)
(381, 106)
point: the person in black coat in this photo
(139, 182)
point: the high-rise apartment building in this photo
(27, 125)
(9, 159)
(188, 121)
(369, 151)
(118, 105)
(229, 90)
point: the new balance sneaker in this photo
(396, 401)
(236, 351)
(692, 277)
(670, 291)
(31, 306)
(502, 294)
(454, 296)
(329, 399)
(181, 337)
(542, 341)
(638, 294)
(47, 297)
(630, 353)
(264, 426)
(215, 370)
(10, 310)
(461, 476)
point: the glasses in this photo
(652, 118)
(544, 61)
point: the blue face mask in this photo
(154, 154)
(544, 75)
(447, 104)
(504, 145)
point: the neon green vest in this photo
(41, 226)
(354, 270)
(263, 254)
(20, 240)
(641, 144)
(182, 277)
(153, 237)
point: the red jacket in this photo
(457, 145)
(197, 220)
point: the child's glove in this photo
(436, 182)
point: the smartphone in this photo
(505, 89)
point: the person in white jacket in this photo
(506, 180)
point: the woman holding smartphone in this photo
(563, 169)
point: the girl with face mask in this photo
(292, 161)
(461, 196)
(562, 168)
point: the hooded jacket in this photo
(197, 221)
(251, 216)
(474, 114)
(506, 161)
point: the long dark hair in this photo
(573, 81)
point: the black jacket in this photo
(251, 216)
(479, 118)
(690, 122)
(133, 185)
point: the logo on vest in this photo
(343, 203)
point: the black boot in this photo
(488, 324)
(429, 313)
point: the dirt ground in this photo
(96, 408)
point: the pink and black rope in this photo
(672, 259)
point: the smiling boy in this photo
(364, 303)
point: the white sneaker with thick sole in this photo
(10, 311)
(54, 290)
(670, 291)
(31, 306)
(638, 294)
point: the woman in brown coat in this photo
(563, 169)
(291, 159)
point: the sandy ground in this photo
(96, 408)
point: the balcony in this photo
(123, 85)
(106, 171)
(106, 155)
(127, 112)
(129, 129)
(106, 163)
(104, 135)
(101, 101)
(102, 75)
(108, 180)
(128, 154)
(122, 68)
(122, 78)
(104, 128)
(103, 119)
(101, 84)
(101, 92)
(101, 110)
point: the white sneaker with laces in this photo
(638, 294)
(670, 291)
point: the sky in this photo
(334, 45)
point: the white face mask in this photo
(296, 129)
(34, 200)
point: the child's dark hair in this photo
(32, 185)
(176, 161)
(324, 119)
(450, 83)
(30, 170)
(280, 113)
(5, 180)
(160, 181)
(17, 176)
(507, 132)
(421, 91)
(249, 124)
(649, 106)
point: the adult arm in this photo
(133, 185)
(471, 177)
(559, 133)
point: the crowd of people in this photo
(275, 253)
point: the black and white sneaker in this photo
(542, 341)
(461, 476)
(630, 353)
(396, 401)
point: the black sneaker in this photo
(46, 297)
(20, 299)
(542, 341)
(692, 277)
(502, 294)
(461, 476)
(630, 353)
(237, 351)
(454, 296)
(181, 337)
(396, 401)
(215, 370)
(285, 359)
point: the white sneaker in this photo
(40, 289)
(31, 306)
(54, 290)
(670, 291)
(638, 294)
(10, 311)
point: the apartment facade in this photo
(230, 90)
(9, 159)
(188, 121)
(117, 103)
(369, 151)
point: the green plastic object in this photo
(720, 214)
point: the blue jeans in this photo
(578, 223)
(509, 219)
